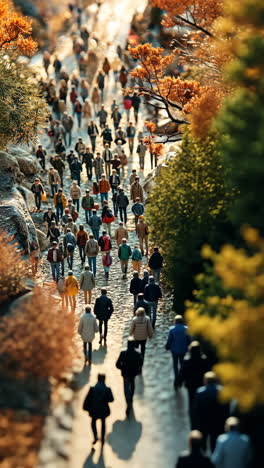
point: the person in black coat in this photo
(103, 310)
(194, 458)
(97, 404)
(195, 365)
(142, 303)
(208, 413)
(130, 363)
(135, 286)
(155, 264)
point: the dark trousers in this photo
(88, 214)
(70, 260)
(123, 214)
(76, 202)
(54, 189)
(177, 362)
(61, 177)
(89, 354)
(59, 211)
(129, 389)
(142, 344)
(94, 429)
(38, 200)
(89, 171)
(93, 142)
(62, 267)
(96, 234)
(42, 162)
(101, 322)
(82, 253)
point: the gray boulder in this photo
(42, 239)
(28, 163)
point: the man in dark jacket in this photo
(37, 189)
(137, 209)
(194, 458)
(130, 363)
(49, 216)
(135, 286)
(54, 257)
(122, 203)
(87, 205)
(103, 310)
(178, 342)
(92, 130)
(135, 105)
(209, 414)
(96, 403)
(41, 156)
(107, 136)
(156, 264)
(76, 169)
(88, 159)
(59, 165)
(152, 293)
(95, 222)
(142, 303)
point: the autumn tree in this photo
(13, 269)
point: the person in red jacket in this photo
(104, 188)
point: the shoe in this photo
(123, 277)
(95, 440)
(101, 338)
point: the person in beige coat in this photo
(54, 180)
(91, 251)
(120, 233)
(136, 191)
(142, 232)
(87, 328)
(141, 329)
(72, 226)
(75, 194)
(87, 283)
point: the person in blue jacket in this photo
(177, 343)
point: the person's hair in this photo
(60, 190)
(87, 267)
(178, 319)
(53, 222)
(69, 200)
(103, 175)
(232, 424)
(104, 232)
(140, 312)
(81, 227)
(135, 273)
(124, 240)
(103, 291)
(68, 230)
(151, 279)
(87, 191)
(140, 296)
(54, 243)
(88, 309)
(101, 377)
(137, 178)
(98, 152)
(134, 170)
(195, 439)
(69, 218)
(70, 273)
(131, 342)
(91, 236)
(121, 223)
(137, 198)
(94, 211)
(156, 249)
(195, 348)
(105, 202)
(209, 377)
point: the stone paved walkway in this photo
(157, 432)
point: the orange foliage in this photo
(15, 30)
(203, 109)
(153, 63)
(38, 340)
(151, 126)
(13, 269)
(178, 90)
(154, 148)
(20, 437)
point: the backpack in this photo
(108, 260)
(107, 243)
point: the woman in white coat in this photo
(87, 328)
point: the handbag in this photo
(44, 197)
(108, 219)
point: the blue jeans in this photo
(88, 214)
(79, 118)
(55, 270)
(54, 189)
(76, 202)
(95, 234)
(104, 196)
(82, 253)
(156, 274)
(92, 264)
(59, 211)
(153, 305)
(177, 360)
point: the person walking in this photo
(92, 130)
(130, 363)
(194, 366)
(88, 159)
(81, 240)
(67, 122)
(104, 188)
(141, 151)
(233, 449)
(54, 258)
(142, 303)
(107, 135)
(194, 457)
(91, 251)
(131, 133)
(155, 264)
(141, 329)
(76, 169)
(107, 217)
(96, 99)
(107, 157)
(114, 181)
(69, 243)
(102, 115)
(105, 242)
(87, 205)
(103, 310)
(41, 156)
(122, 203)
(53, 233)
(61, 286)
(98, 166)
(124, 253)
(116, 117)
(152, 294)
(37, 190)
(145, 280)
(136, 259)
(72, 289)
(95, 222)
(87, 328)
(124, 161)
(136, 104)
(177, 343)
(101, 83)
(123, 76)
(72, 226)
(49, 216)
(120, 233)
(106, 262)
(54, 180)
(137, 210)
(87, 283)
(60, 202)
(142, 232)
(127, 103)
(59, 166)
(132, 176)
(209, 413)
(96, 404)
(75, 194)
(78, 111)
(135, 285)
(136, 191)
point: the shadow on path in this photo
(124, 437)
(82, 378)
(99, 354)
(89, 462)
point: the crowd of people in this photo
(77, 103)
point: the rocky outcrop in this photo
(42, 239)
(28, 163)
